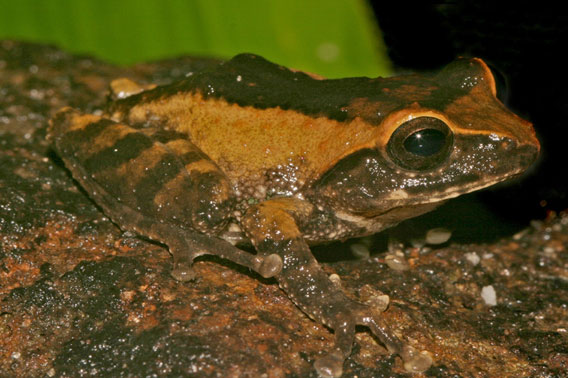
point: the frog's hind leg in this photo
(274, 226)
(153, 182)
(355, 313)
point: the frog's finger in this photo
(200, 244)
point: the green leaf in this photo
(333, 38)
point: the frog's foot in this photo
(183, 253)
(183, 272)
(331, 365)
(414, 361)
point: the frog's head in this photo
(449, 136)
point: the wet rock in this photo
(79, 297)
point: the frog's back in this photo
(256, 119)
(268, 125)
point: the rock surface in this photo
(80, 298)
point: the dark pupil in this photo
(426, 142)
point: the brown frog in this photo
(252, 152)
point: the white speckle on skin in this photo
(489, 295)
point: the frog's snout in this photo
(515, 157)
(528, 154)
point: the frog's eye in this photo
(420, 144)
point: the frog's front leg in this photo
(273, 229)
(156, 183)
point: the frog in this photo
(250, 152)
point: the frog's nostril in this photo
(529, 155)
(508, 145)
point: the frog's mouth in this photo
(402, 204)
(399, 213)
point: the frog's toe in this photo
(183, 273)
(414, 361)
(330, 366)
(271, 265)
